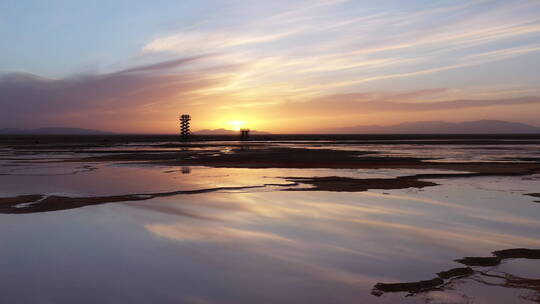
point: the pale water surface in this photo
(256, 245)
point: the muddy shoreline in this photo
(253, 155)
(36, 203)
(483, 269)
(272, 157)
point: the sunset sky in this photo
(278, 66)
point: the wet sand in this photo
(37, 203)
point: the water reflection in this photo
(255, 245)
(347, 239)
(252, 246)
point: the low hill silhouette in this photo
(53, 131)
(439, 127)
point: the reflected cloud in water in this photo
(350, 238)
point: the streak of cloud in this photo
(341, 51)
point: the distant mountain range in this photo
(53, 131)
(421, 127)
(226, 132)
(439, 127)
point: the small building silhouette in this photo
(244, 134)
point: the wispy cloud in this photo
(204, 42)
(323, 47)
(345, 103)
(381, 102)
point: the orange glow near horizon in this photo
(236, 125)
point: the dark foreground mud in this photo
(479, 261)
(517, 253)
(156, 150)
(261, 155)
(455, 272)
(268, 157)
(444, 279)
(534, 195)
(412, 287)
(347, 184)
(304, 158)
(43, 203)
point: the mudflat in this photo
(381, 219)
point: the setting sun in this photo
(236, 125)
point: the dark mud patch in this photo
(243, 157)
(534, 195)
(286, 158)
(455, 272)
(479, 261)
(21, 199)
(142, 156)
(527, 159)
(518, 253)
(264, 156)
(444, 278)
(412, 287)
(41, 203)
(303, 158)
(347, 184)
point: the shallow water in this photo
(259, 245)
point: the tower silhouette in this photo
(184, 126)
